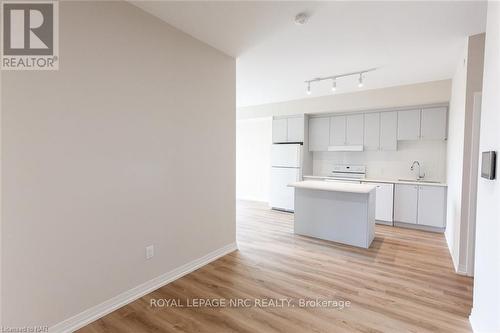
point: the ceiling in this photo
(408, 42)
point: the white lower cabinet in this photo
(432, 206)
(384, 202)
(420, 204)
(406, 203)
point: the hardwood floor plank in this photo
(405, 282)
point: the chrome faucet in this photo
(412, 168)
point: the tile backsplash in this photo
(390, 164)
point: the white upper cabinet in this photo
(289, 129)
(295, 129)
(319, 134)
(433, 126)
(432, 206)
(406, 203)
(371, 137)
(280, 130)
(337, 131)
(354, 129)
(388, 130)
(409, 125)
(372, 130)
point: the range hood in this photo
(346, 148)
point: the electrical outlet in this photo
(150, 251)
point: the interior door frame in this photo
(473, 179)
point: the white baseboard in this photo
(449, 242)
(461, 269)
(471, 321)
(84, 318)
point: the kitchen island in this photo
(339, 212)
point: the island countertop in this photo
(334, 186)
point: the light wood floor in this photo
(404, 283)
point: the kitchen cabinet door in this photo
(384, 201)
(295, 129)
(405, 203)
(337, 130)
(319, 134)
(433, 126)
(371, 137)
(388, 130)
(354, 129)
(409, 125)
(432, 206)
(280, 130)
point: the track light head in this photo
(334, 85)
(308, 90)
(360, 80)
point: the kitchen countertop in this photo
(375, 180)
(334, 186)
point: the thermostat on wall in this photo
(488, 164)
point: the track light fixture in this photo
(335, 77)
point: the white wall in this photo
(130, 143)
(399, 96)
(486, 305)
(253, 158)
(466, 81)
(475, 67)
(454, 160)
(390, 164)
(1, 201)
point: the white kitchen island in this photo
(339, 212)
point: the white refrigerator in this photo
(286, 168)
